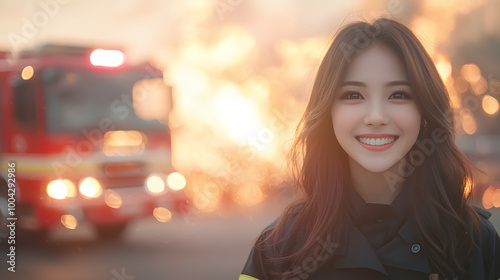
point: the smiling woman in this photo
(373, 205)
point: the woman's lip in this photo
(377, 135)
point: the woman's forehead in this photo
(377, 64)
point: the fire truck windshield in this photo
(77, 100)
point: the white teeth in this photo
(377, 141)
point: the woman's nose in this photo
(376, 114)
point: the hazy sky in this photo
(143, 27)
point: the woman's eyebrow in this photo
(361, 84)
(353, 83)
(398, 83)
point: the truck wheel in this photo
(110, 231)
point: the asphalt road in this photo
(209, 246)
(205, 246)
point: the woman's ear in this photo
(424, 125)
(423, 122)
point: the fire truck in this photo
(84, 140)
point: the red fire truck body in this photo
(79, 126)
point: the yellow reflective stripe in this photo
(246, 277)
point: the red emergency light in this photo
(107, 58)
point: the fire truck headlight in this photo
(90, 188)
(176, 181)
(60, 189)
(155, 184)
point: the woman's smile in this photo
(377, 144)
(376, 140)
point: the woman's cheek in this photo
(407, 117)
(346, 119)
(350, 114)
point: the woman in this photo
(385, 189)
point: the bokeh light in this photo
(69, 221)
(176, 181)
(162, 214)
(27, 72)
(468, 121)
(490, 104)
(113, 199)
(471, 73)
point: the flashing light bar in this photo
(107, 58)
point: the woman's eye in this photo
(351, 95)
(400, 95)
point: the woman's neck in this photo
(379, 188)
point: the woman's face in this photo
(374, 115)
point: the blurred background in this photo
(149, 136)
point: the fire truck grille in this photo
(118, 169)
(123, 182)
(124, 174)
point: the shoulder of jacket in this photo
(286, 217)
(488, 231)
(489, 236)
(482, 212)
(286, 233)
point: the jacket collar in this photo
(356, 251)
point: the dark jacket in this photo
(353, 259)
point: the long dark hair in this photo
(438, 181)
